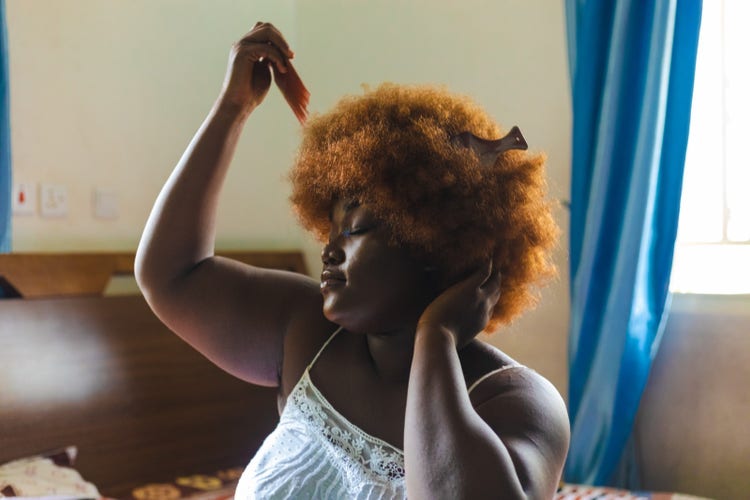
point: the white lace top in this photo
(315, 452)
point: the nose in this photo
(332, 255)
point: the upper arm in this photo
(238, 315)
(528, 415)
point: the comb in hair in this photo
(489, 150)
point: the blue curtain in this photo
(632, 65)
(5, 171)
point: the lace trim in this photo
(373, 455)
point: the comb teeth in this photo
(294, 91)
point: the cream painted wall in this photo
(108, 94)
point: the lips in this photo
(331, 278)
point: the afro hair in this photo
(392, 149)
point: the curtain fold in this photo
(632, 65)
(5, 166)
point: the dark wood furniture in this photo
(104, 374)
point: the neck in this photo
(391, 354)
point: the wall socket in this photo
(54, 200)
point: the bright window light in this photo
(712, 253)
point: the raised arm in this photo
(234, 314)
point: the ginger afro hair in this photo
(391, 149)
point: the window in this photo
(712, 253)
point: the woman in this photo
(431, 236)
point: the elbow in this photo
(143, 277)
(151, 273)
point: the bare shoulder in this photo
(529, 402)
(527, 413)
(490, 373)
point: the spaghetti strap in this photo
(491, 373)
(324, 346)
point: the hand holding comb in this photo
(259, 56)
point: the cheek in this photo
(392, 280)
(376, 268)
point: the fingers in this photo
(490, 277)
(491, 285)
(483, 283)
(261, 75)
(267, 33)
(261, 51)
(491, 273)
(263, 42)
(484, 272)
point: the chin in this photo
(341, 310)
(371, 317)
(332, 312)
(364, 325)
(341, 319)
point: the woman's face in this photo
(369, 285)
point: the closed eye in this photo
(354, 231)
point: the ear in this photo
(489, 150)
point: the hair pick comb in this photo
(294, 91)
(489, 150)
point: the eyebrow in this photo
(348, 207)
(351, 205)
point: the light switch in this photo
(54, 200)
(24, 198)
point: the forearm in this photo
(181, 227)
(450, 452)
